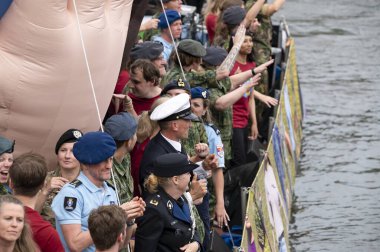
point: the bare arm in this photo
(150, 24)
(221, 215)
(272, 8)
(268, 100)
(252, 13)
(75, 238)
(229, 61)
(229, 99)
(240, 78)
(252, 114)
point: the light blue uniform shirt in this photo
(74, 202)
(168, 47)
(215, 143)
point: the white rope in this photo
(93, 90)
(171, 35)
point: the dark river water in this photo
(337, 192)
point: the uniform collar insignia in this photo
(169, 205)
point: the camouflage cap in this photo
(192, 47)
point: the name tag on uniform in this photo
(70, 203)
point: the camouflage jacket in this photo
(46, 212)
(205, 79)
(222, 119)
(3, 190)
(197, 134)
(123, 179)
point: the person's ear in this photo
(175, 180)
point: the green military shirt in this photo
(197, 134)
(123, 179)
(222, 118)
(149, 34)
(205, 79)
(262, 48)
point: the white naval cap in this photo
(177, 107)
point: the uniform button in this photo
(189, 229)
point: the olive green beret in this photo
(192, 47)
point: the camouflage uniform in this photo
(46, 212)
(123, 179)
(262, 50)
(3, 190)
(148, 34)
(222, 119)
(206, 79)
(197, 134)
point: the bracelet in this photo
(253, 71)
(131, 223)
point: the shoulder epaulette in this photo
(110, 185)
(155, 200)
(217, 131)
(76, 183)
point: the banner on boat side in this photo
(270, 196)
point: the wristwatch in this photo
(131, 223)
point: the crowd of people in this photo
(181, 114)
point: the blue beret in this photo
(199, 92)
(94, 147)
(6, 146)
(121, 127)
(172, 17)
(233, 15)
(172, 164)
(215, 55)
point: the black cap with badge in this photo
(70, 136)
(172, 164)
(176, 84)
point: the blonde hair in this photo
(145, 126)
(152, 182)
(25, 242)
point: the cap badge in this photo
(180, 83)
(204, 94)
(77, 134)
